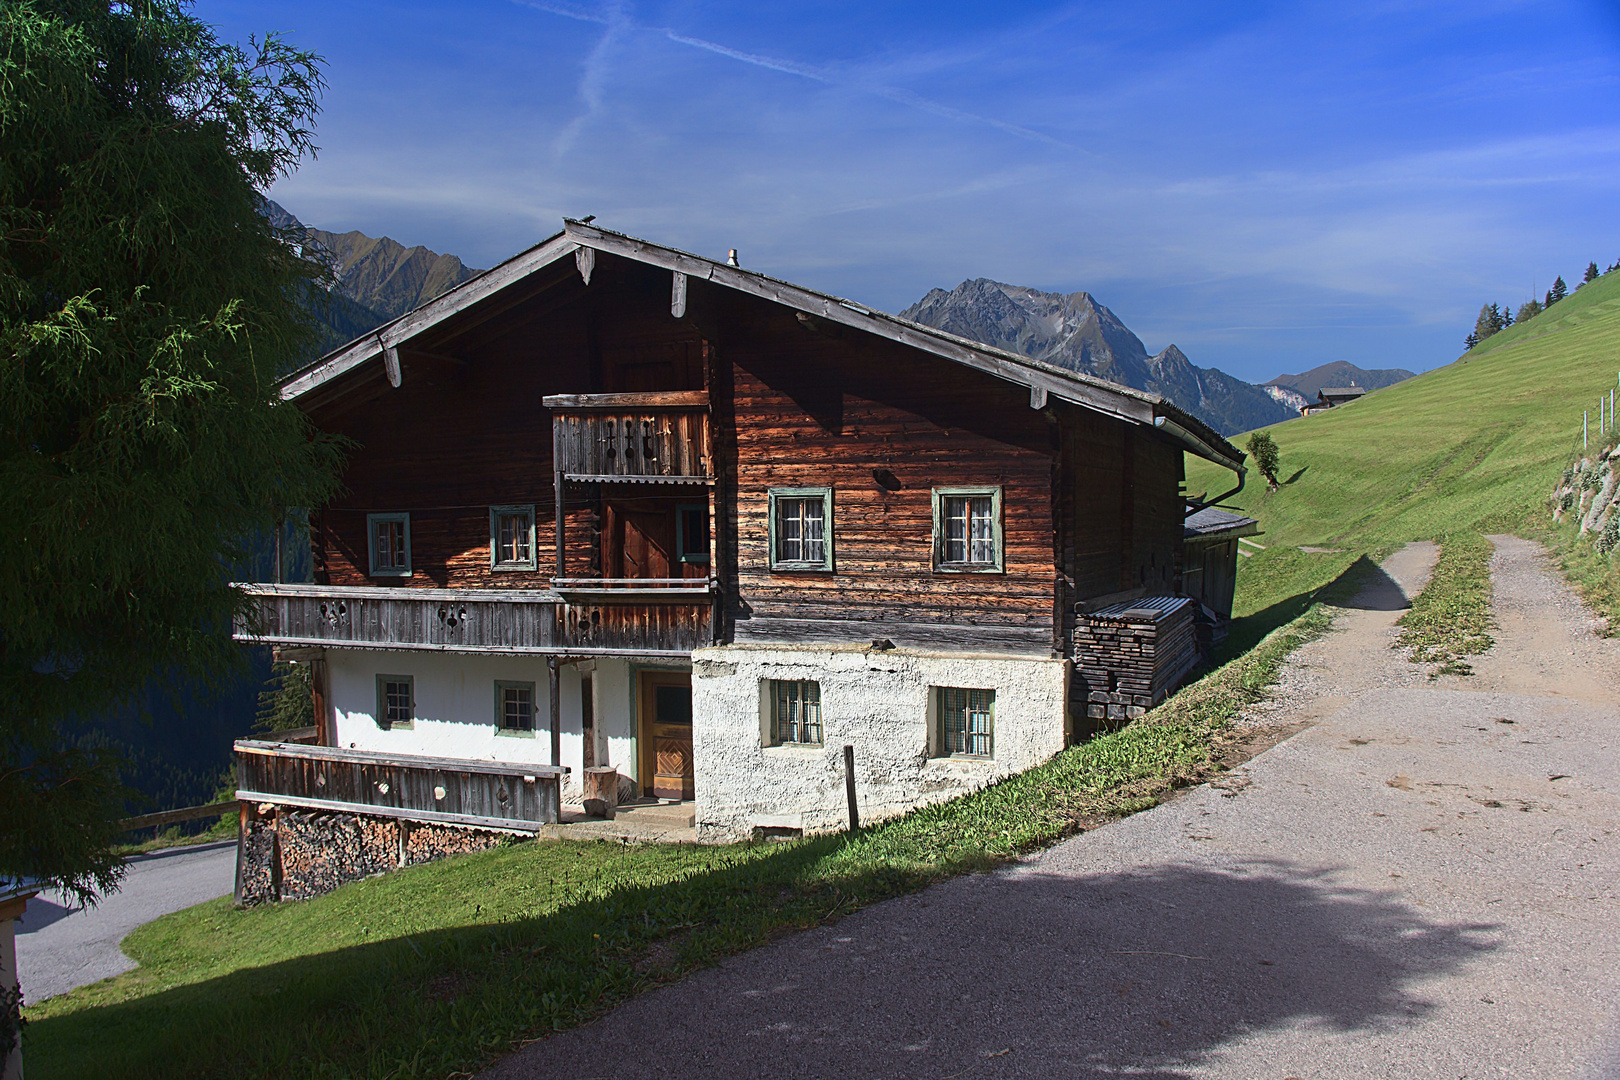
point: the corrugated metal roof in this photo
(1210, 521)
(1146, 609)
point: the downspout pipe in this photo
(1203, 449)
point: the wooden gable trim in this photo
(582, 241)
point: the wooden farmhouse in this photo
(613, 505)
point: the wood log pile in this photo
(292, 854)
(1131, 655)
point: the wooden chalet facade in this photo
(614, 504)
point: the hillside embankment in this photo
(1480, 445)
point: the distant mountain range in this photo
(1073, 331)
(381, 279)
(377, 279)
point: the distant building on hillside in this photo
(1330, 396)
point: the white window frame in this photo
(495, 561)
(997, 564)
(372, 521)
(825, 494)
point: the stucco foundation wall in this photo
(455, 708)
(879, 702)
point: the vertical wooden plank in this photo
(554, 677)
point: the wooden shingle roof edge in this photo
(1041, 378)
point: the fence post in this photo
(849, 788)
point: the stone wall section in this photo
(880, 702)
(286, 853)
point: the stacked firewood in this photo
(290, 854)
(1130, 658)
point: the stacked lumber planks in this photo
(1131, 655)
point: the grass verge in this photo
(438, 969)
(1451, 617)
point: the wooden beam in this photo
(554, 676)
(1037, 397)
(677, 295)
(320, 683)
(657, 399)
(396, 374)
(173, 817)
(585, 259)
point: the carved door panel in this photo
(667, 729)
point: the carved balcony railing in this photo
(597, 618)
(632, 438)
(457, 791)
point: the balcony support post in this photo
(554, 675)
(557, 494)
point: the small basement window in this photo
(967, 529)
(692, 533)
(966, 722)
(796, 712)
(511, 538)
(514, 707)
(800, 528)
(389, 538)
(396, 701)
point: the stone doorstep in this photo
(643, 822)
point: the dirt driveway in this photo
(1424, 883)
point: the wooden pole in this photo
(849, 788)
(555, 677)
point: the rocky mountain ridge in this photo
(1076, 332)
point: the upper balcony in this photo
(580, 618)
(632, 438)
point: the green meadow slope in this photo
(1477, 445)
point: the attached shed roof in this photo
(581, 240)
(1211, 523)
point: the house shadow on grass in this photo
(1027, 973)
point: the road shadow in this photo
(1146, 974)
(1246, 632)
(1375, 591)
(1026, 973)
(40, 913)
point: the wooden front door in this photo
(666, 735)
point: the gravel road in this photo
(1423, 883)
(60, 946)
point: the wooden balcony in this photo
(457, 791)
(587, 618)
(632, 438)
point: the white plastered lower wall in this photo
(455, 708)
(878, 702)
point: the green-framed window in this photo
(396, 701)
(692, 532)
(514, 707)
(967, 530)
(388, 542)
(511, 538)
(801, 534)
(966, 719)
(796, 712)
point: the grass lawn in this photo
(438, 969)
(1473, 447)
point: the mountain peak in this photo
(1078, 332)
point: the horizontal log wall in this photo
(819, 410)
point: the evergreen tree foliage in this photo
(1507, 316)
(1488, 323)
(1529, 309)
(1471, 340)
(1591, 273)
(1263, 448)
(146, 309)
(1558, 291)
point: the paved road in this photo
(60, 946)
(1425, 883)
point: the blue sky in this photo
(1268, 186)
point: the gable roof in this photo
(578, 238)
